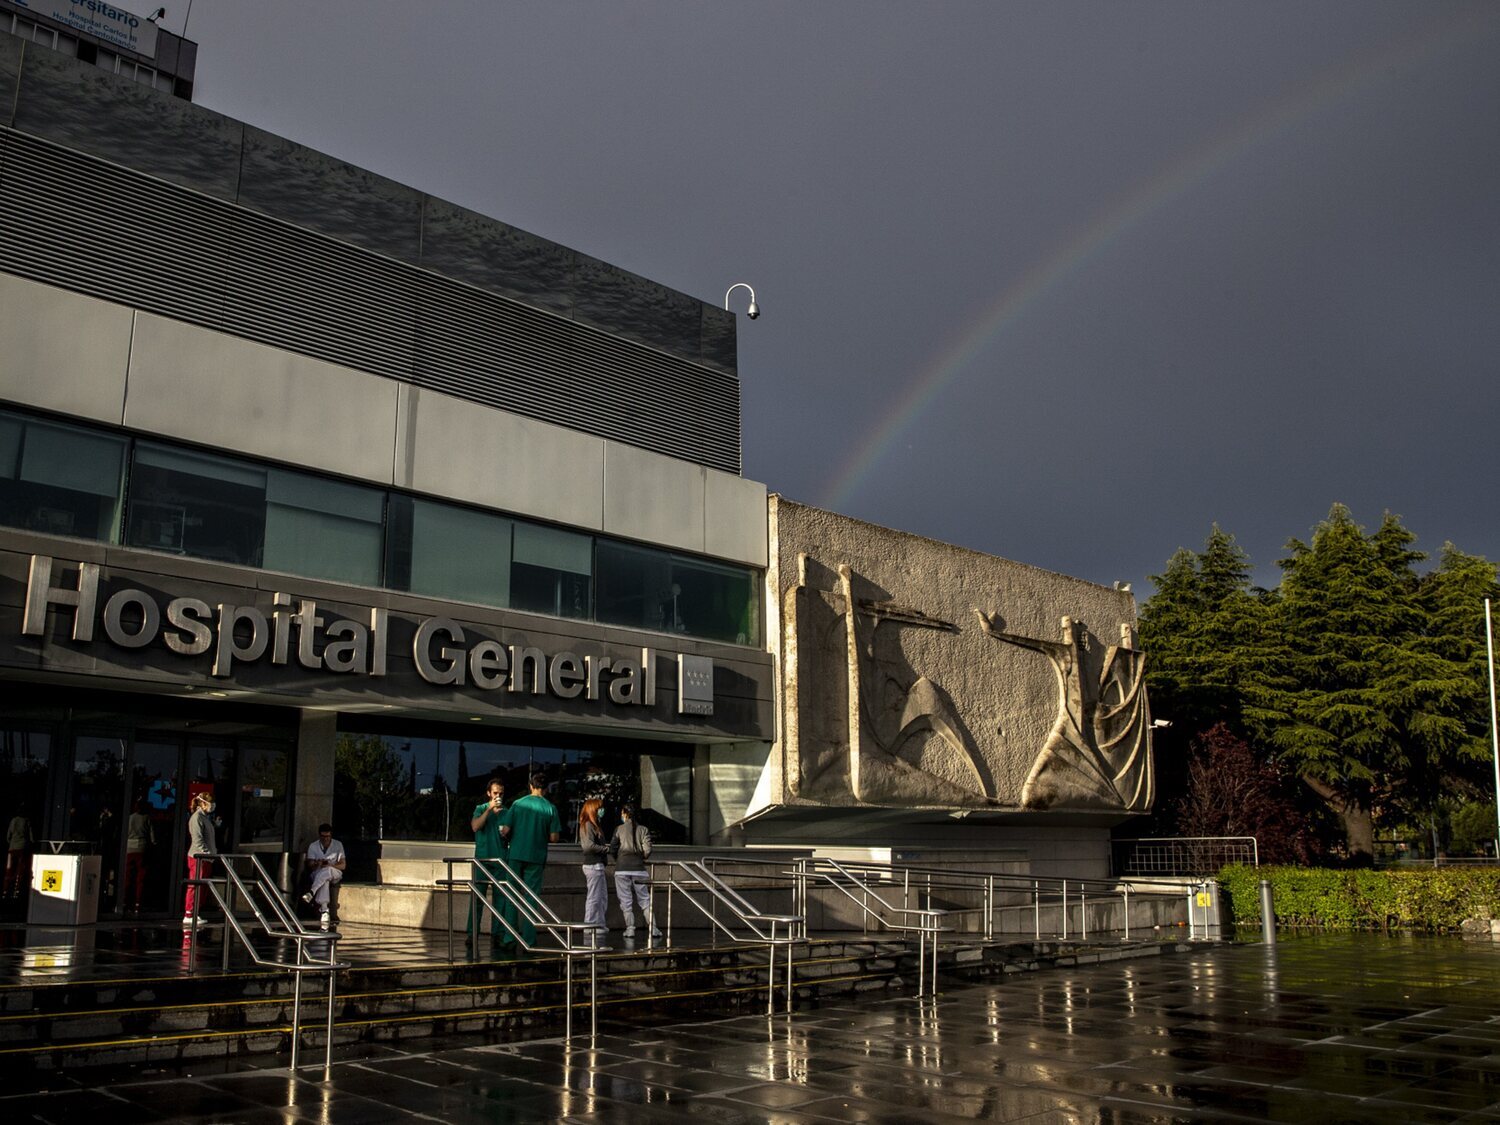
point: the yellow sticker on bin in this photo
(51, 880)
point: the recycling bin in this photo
(64, 889)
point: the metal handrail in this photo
(927, 924)
(719, 892)
(290, 929)
(1045, 891)
(530, 905)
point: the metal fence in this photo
(1182, 855)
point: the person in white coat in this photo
(326, 861)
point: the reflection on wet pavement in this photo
(1327, 1028)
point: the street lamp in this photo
(1489, 648)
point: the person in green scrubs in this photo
(489, 843)
(529, 826)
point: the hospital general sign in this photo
(295, 632)
(106, 22)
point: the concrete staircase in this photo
(172, 1018)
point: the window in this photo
(646, 589)
(25, 759)
(551, 571)
(396, 787)
(323, 528)
(263, 794)
(635, 589)
(59, 480)
(717, 602)
(457, 553)
(232, 511)
(194, 504)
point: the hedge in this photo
(1431, 898)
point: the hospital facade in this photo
(338, 499)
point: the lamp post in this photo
(1489, 648)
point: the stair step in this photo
(164, 1019)
(514, 998)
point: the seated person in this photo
(326, 863)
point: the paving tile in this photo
(1322, 1029)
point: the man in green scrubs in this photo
(529, 826)
(489, 843)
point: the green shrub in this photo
(1432, 898)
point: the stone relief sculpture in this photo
(1098, 752)
(913, 747)
(888, 704)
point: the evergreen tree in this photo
(1200, 631)
(1358, 675)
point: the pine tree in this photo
(1357, 674)
(1198, 628)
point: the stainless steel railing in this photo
(262, 895)
(1057, 907)
(927, 922)
(495, 876)
(746, 924)
(1071, 906)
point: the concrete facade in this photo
(934, 700)
(96, 360)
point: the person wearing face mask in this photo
(201, 843)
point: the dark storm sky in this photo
(1065, 282)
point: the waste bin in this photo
(64, 888)
(1203, 910)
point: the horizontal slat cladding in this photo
(296, 289)
(687, 410)
(87, 225)
(92, 226)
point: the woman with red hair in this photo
(595, 856)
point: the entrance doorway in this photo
(119, 780)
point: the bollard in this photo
(1267, 914)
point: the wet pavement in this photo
(1326, 1028)
(135, 948)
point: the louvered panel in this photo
(294, 288)
(108, 232)
(83, 223)
(654, 397)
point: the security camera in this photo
(754, 310)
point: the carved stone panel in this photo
(919, 675)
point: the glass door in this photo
(25, 765)
(96, 798)
(154, 827)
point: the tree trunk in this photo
(1359, 825)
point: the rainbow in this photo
(1191, 169)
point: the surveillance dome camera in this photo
(753, 312)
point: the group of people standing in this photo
(630, 847)
(520, 833)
